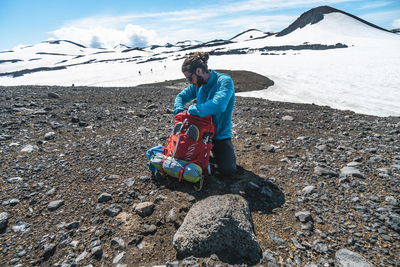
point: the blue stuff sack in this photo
(151, 153)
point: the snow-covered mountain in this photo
(326, 57)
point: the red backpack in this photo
(191, 139)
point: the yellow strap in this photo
(200, 184)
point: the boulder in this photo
(220, 225)
(348, 258)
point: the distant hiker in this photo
(215, 96)
(140, 73)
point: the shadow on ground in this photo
(261, 194)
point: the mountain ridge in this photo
(315, 15)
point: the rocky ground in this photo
(74, 178)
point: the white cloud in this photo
(396, 23)
(131, 35)
(375, 5)
(381, 17)
(226, 19)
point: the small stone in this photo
(118, 257)
(172, 217)
(113, 210)
(320, 248)
(72, 225)
(4, 216)
(303, 216)
(308, 190)
(117, 241)
(391, 200)
(351, 171)
(144, 209)
(149, 229)
(50, 136)
(21, 226)
(53, 95)
(53, 205)
(268, 256)
(104, 197)
(48, 251)
(28, 149)
(130, 181)
(287, 118)
(14, 180)
(51, 192)
(81, 257)
(276, 238)
(97, 252)
(297, 244)
(321, 171)
(393, 222)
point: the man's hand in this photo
(193, 110)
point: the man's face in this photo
(194, 79)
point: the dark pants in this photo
(224, 156)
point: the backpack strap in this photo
(182, 171)
(162, 166)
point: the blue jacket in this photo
(215, 98)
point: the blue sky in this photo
(104, 23)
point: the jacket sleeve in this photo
(188, 94)
(218, 103)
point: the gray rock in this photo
(118, 242)
(269, 257)
(104, 197)
(218, 224)
(303, 216)
(391, 200)
(297, 244)
(97, 252)
(13, 180)
(321, 171)
(118, 257)
(51, 192)
(113, 210)
(48, 251)
(130, 181)
(21, 226)
(50, 136)
(149, 229)
(276, 238)
(53, 205)
(144, 209)
(351, 171)
(53, 95)
(72, 225)
(308, 190)
(81, 257)
(393, 222)
(4, 216)
(287, 118)
(348, 258)
(320, 248)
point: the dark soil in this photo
(99, 146)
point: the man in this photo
(215, 95)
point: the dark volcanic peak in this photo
(396, 31)
(315, 15)
(59, 41)
(237, 35)
(132, 49)
(122, 46)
